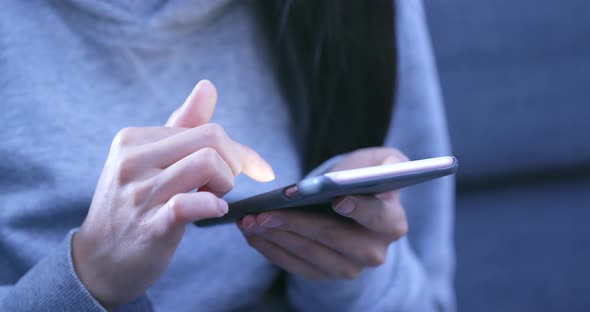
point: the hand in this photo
(143, 199)
(319, 246)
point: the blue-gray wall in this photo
(516, 80)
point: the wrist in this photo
(89, 273)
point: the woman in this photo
(74, 73)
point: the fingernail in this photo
(271, 222)
(243, 228)
(267, 174)
(191, 95)
(270, 174)
(223, 207)
(248, 223)
(391, 160)
(345, 207)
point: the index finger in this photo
(253, 165)
(166, 152)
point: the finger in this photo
(166, 152)
(197, 109)
(327, 260)
(372, 156)
(282, 258)
(203, 168)
(253, 165)
(382, 216)
(132, 136)
(170, 150)
(395, 194)
(352, 240)
(185, 208)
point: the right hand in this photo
(143, 201)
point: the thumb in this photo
(197, 108)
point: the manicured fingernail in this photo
(271, 222)
(346, 206)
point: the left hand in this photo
(319, 246)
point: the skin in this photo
(143, 202)
(141, 206)
(319, 246)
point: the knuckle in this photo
(401, 228)
(175, 204)
(225, 175)
(126, 164)
(209, 200)
(214, 134)
(400, 224)
(208, 161)
(210, 165)
(124, 136)
(375, 256)
(209, 157)
(229, 185)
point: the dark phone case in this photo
(322, 189)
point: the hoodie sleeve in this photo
(418, 272)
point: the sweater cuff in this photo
(397, 285)
(52, 285)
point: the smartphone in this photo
(323, 188)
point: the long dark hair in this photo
(337, 62)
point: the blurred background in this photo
(515, 76)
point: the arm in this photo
(416, 275)
(420, 130)
(52, 285)
(405, 281)
(139, 212)
(420, 267)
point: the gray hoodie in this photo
(72, 73)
